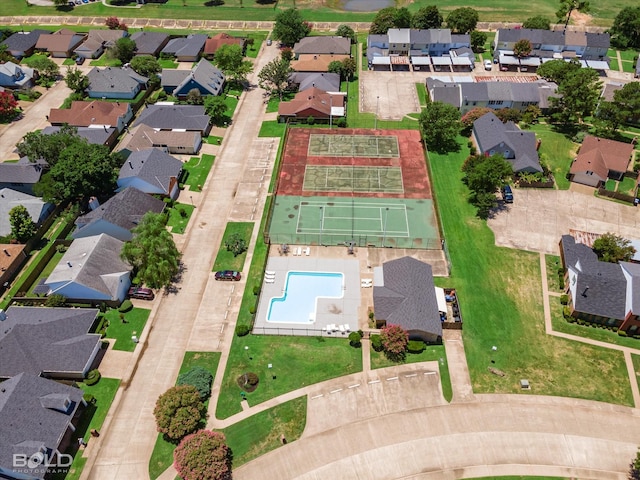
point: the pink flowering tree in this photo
(179, 411)
(394, 342)
(203, 455)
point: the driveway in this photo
(537, 218)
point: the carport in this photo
(508, 62)
(422, 63)
(440, 62)
(529, 63)
(599, 65)
(379, 62)
(462, 64)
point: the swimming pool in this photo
(301, 293)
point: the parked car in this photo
(269, 42)
(228, 275)
(507, 194)
(488, 65)
(141, 293)
(79, 60)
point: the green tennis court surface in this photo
(323, 178)
(371, 146)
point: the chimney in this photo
(6, 252)
(584, 292)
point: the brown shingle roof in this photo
(600, 155)
(214, 43)
(142, 137)
(9, 253)
(61, 41)
(315, 63)
(83, 114)
(312, 101)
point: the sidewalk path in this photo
(458, 368)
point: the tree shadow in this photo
(213, 3)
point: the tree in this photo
(627, 100)
(47, 69)
(152, 251)
(145, 65)
(579, 94)
(349, 67)
(634, 467)
(568, 6)
(383, 21)
(216, 108)
(274, 76)
(471, 116)
(235, 244)
(22, 226)
(203, 455)
(36, 145)
(608, 118)
(76, 80)
(286, 54)
(123, 49)
(289, 27)
(8, 106)
(478, 40)
(509, 115)
(112, 22)
(179, 411)
(426, 18)
(194, 97)
(613, 248)
(557, 70)
(484, 175)
(394, 342)
(463, 20)
(625, 32)
(347, 32)
(537, 23)
(402, 18)
(522, 48)
(230, 60)
(199, 378)
(440, 124)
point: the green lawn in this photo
(197, 170)
(225, 260)
(177, 221)
(500, 297)
(297, 361)
(432, 352)
(614, 64)
(628, 55)
(69, 62)
(553, 280)
(274, 102)
(627, 185)
(105, 61)
(213, 140)
(422, 93)
(272, 128)
(135, 319)
(47, 270)
(28, 61)
(610, 185)
(557, 152)
(167, 63)
(258, 39)
(636, 367)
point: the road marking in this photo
(233, 288)
(374, 381)
(317, 396)
(429, 373)
(336, 391)
(391, 379)
(225, 314)
(354, 386)
(229, 302)
(412, 375)
(222, 328)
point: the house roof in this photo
(12, 198)
(93, 262)
(174, 117)
(323, 45)
(633, 300)
(18, 74)
(600, 155)
(97, 135)
(148, 43)
(142, 137)
(399, 35)
(24, 172)
(554, 37)
(212, 44)
(23, 41)
(609, 89)
(315, 63)
(40, 340)
(96, 112)
(433, 35)
(124, 209)
(60, 41)
(189, 46)
(329, 82)
(153, 166)
(10, 252)
(100, 38)
(114, 80)
(205, 74)
(311, 99)
(33, 415)
(406, 296)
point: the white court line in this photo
(411, 375)
(336, 391)
(429, 373)
(373, 381)
(391, 379)
(317, 396)
(354, 386)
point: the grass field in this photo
(557, 152)
(553, 280)
(225, 260)
(198, 169)
(177, 220)
(636, 367)
(122, 332)
(500, 295)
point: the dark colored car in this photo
(79, 60)
(228, 275)
(507, 194)
(141, 293)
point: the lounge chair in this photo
(299, 251)
(307, 251)
(346, 327)
(342, 330)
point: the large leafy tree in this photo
(390, 17)
(274, 76)
(427, 17)
(522, 48)
(216, 108)
(8, 106)
(203, 455)
(347, 32)
(289, 27)
(463, 20)
(627, 100)
(179, 411)
(22, 226)
(625, 32)
(608, 118)
(145, 65)
(48, 70)
(200, 378)
(37, 145)
(123, 49)
(567, 7)
(484, 175)
(537, 23)
(478, 39)
(394, 342)
(76, 80)
(579, 93)
(152, 251)
(557, 70)
(230, 60)
(440, 124)
(613, 248)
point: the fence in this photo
(346, 239)
(618, 196)
(298, 331)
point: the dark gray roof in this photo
(10, 198)
(174, 117)
(33, 416)
(638, 66)
(42, 340)
(323, 45)
(463, 52)
(329, 82)
(22, 41)
(125, 209)
(147, 43)
(377, 38)
(554, 37)
(205, 74)
(407, 296)
(375, 52)
(191, 46)
(94, 135)
(153, 166)
(25, 172)
(446, 92)
(114, 79)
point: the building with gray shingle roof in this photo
(22, 44)
(143, 137)
(91, 269)
(204, 77)
(38, 209)
(97, 135)
(151, 171)
(36, 416)
(404, 294)
(324, 45)
(98, 41)
(114, 83)
(433, 42)
(175, 117)
(16, 76)
(21, 176)
(50, 342)
(329, 82)
(118, 215)
(149, 43)
(186, 49)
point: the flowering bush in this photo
(179, 411)
(394, 342)
(203, 455)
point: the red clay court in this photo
(409, 160)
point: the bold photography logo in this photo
(42, 462)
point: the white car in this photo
(488, 65)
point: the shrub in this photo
(252, 310)
(256, 289)
(203, 455)
(394, 342)
(376, 342)
(179, 411)
(93, 377)
(355, 339)
(311, 120)
(126, 306)
(61, 248)
(622, 333)
(242, 330)
(183, 213)
(341, 122)
(199, 378)
(416, 346)
(55, 300)
(564, 299)
(87, 397)
(371, 315)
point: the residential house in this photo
(95, 113)
(117, 216)
(37, 416)
(12, 258)
(38, 209)
(60, 44)
(601, 292)
(599, 159)
(315, 63)
(48, 342)
(466, 96)
(115, 83)
(212, 44)
(22, 44)
(404, 294)
(186, 49)
(21, 176)
(97, 41)
(91, 269)
(143, 137)
(96, 135)
(329, 82)
(16, 76)
(312, 102)
(181, 118)
(150, 43)
(519, 148)
(151, 171)
(204, 77)
(322, 46)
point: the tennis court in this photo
(325, 178)
(369, 146)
